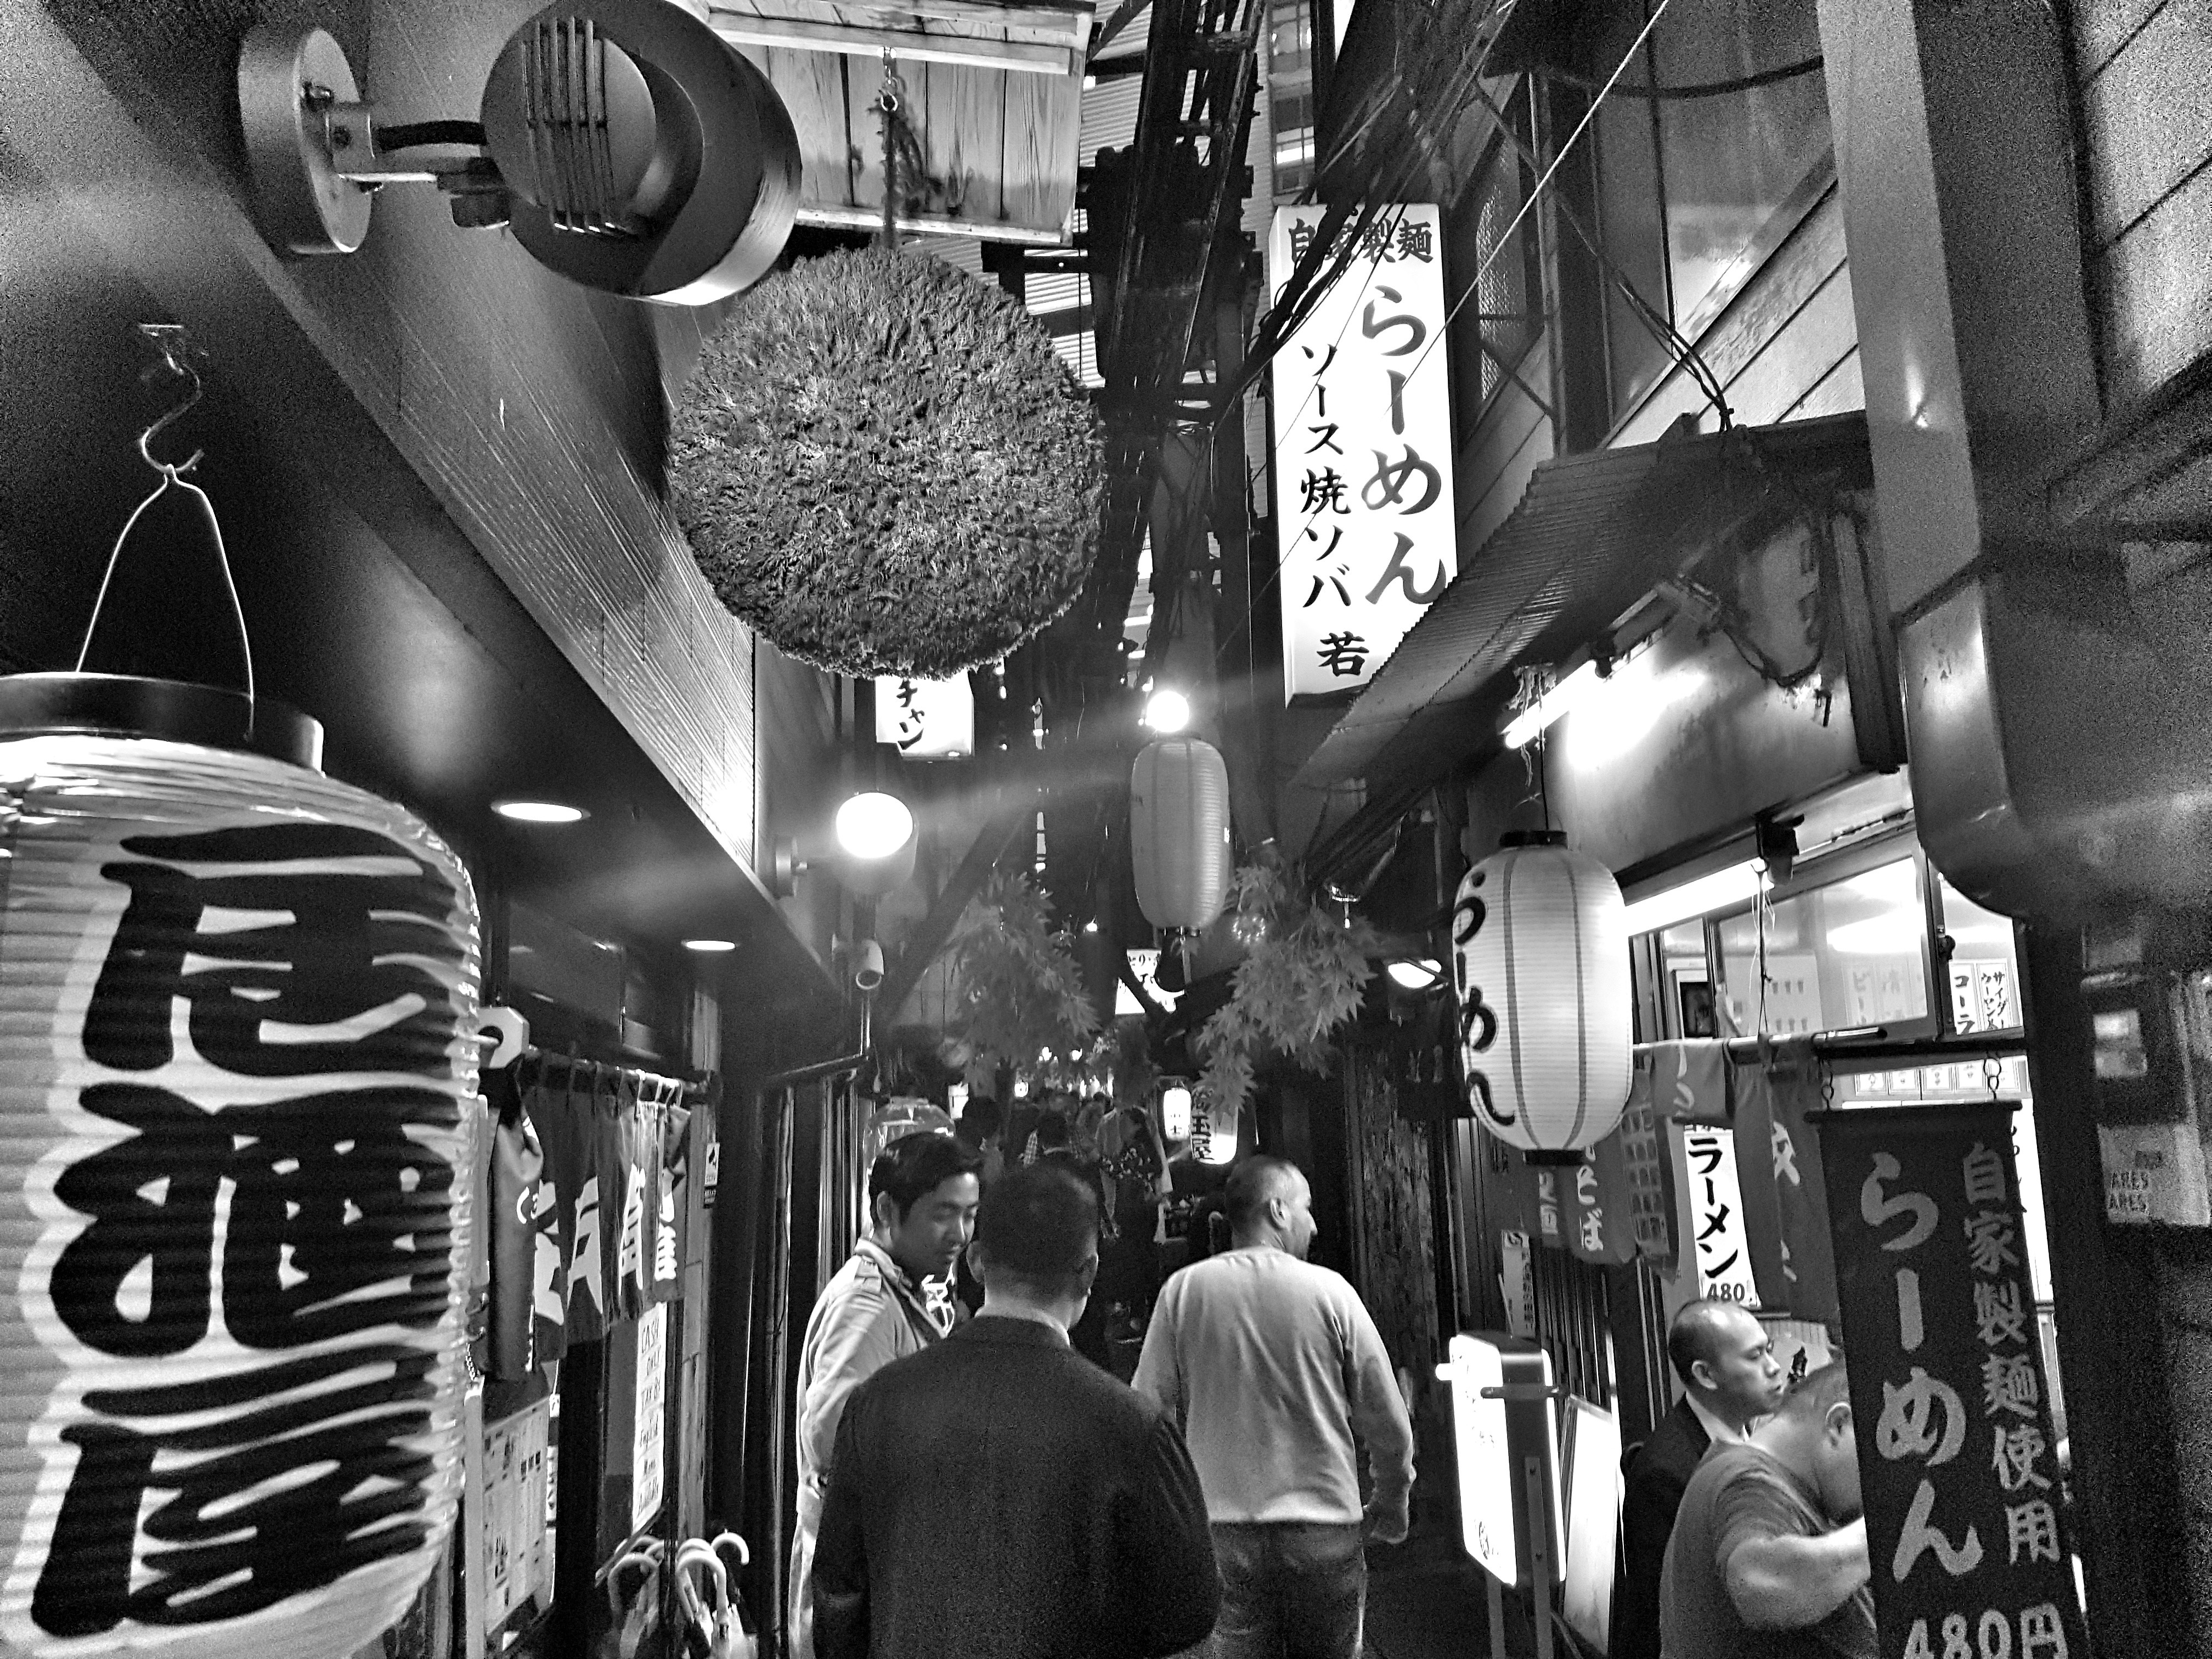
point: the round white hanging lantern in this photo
(238, 1006)
(1540, 963)
(1174, 1112)
(1179, 832)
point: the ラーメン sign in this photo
(1362, 450)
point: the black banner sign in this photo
(1957, 1457)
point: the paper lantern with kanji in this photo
(1179, 832)
(1540, 963)
(237, 1098)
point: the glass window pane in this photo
(1733, 160)
(1849, 954)
(1984, 971)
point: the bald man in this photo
(1730, 1380)
(1277, 1376)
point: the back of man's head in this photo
(1039, 1230)
(1052, 1131)
(914, 1166)
(1253, 1185)
(1813, 1395)
(979, 1120)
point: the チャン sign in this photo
(926, 720)
(1958, 1459)
(1362, 450)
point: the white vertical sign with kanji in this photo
(1362, 450)
(1711, 1222)
(926, 720)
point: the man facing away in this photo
(1279, 1380)
(923, 1194)
(1769, 1556)
(1730, 1379)
(998, 1496)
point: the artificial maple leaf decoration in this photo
(1304, 972)
(1017, 991)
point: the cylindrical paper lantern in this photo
(1174, 1112)
(1539, 961)
(1179, 832)
(237, 1095)
(1212, 1131)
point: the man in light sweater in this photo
(1277, 1376)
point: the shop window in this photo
(1843, 955)
(1982, 968)
(1694, 192)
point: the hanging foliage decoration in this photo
(1301, 978)
(1016, 993)
(884, 468)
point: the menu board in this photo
(517, 1534)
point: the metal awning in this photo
(1591, 536)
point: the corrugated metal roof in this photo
(1592, 534)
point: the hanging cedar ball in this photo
(885, 469)
(238, 1074)
(1539, 963)
(1179, 832)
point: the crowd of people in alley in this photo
(976, 1480)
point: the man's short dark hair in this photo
(1252, 1184)
(981, 1119)
(914, 1166)
(1051, 1131)
(1040, 1226)
(1696, 1335)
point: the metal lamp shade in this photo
(1539, 963)
(1179, 832)
(237, 1102)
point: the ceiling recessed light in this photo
(539, 812)
(707, 947)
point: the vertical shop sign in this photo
(1711, 1223)
(1516, 1279)
(1650, 1177)
(1550, 1220)
(1958, 1459)
(925, 719)
(1362, 450)
(649, 1436)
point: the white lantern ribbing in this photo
(238, 1006)
(1540, 963)
(1179, 832)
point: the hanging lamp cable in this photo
(168, 339)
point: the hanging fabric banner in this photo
(1550, 1215)
(671, 1246)
(1650, 1176)
(1958, 1458)
(1689, 1080)
(640, 1121)
(512, 1170)
(1785, 1203)
(588, 1196)
(1598, 1196)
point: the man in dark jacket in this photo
(997, 1497)
(1730, 1379)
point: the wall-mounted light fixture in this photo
(1167, 710)
(874, 850)
(1720, 891)
(627, 147)
(1415, 973)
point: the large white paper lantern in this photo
(237, 1093)
(1540, 963)
(1179, 832)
